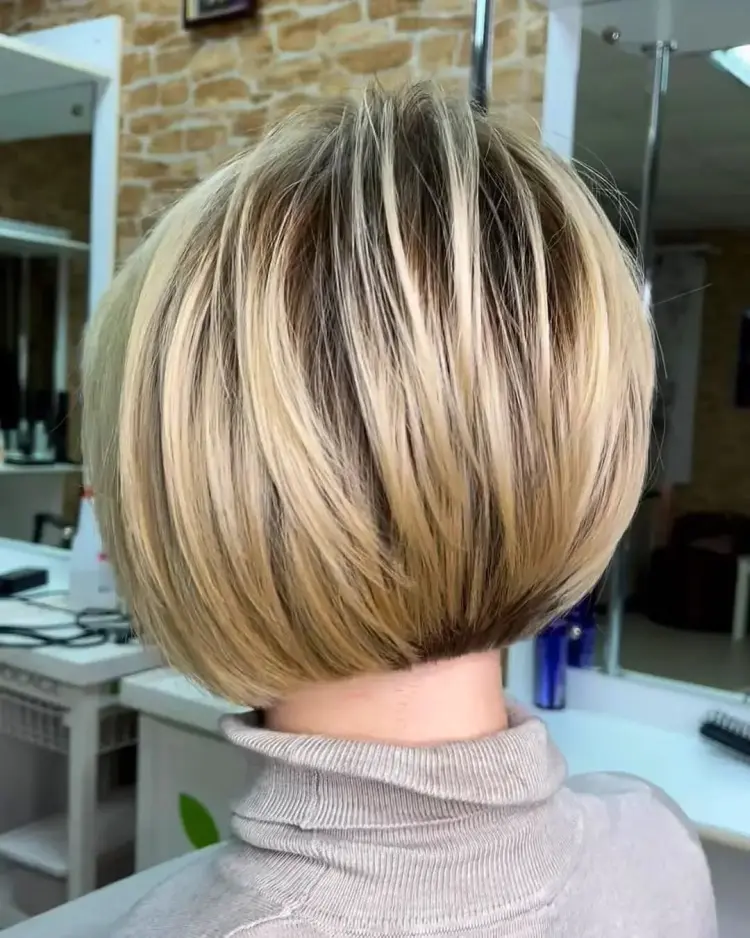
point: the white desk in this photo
(710, 785)
(78, 667)
(74, 682)
(180, 752)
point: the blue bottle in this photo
(551, 662)
(582, 635)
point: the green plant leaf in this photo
(200, 828)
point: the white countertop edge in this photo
(77, 669)
(711, 785)
(14, 470)
(164, 694)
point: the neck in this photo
(430, 704)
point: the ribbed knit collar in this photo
(391, 837)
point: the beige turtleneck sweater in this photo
(480, 838)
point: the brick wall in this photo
(192, 99)
(721, 448)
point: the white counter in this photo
(79, 667)
(180, 752)
(167, 695)
(26, 469)
(73, 686)
(710, 785)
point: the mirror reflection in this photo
(45, 171)
(685, 577)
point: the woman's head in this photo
(377, 392)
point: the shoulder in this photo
(651, 847)
(212, 897)
(638, 799)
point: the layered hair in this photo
(376, 392)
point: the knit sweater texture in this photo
(480, 838)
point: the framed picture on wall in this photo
(197, 13)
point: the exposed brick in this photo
(215, 58)
(174, 186)
(355, 34)
(130, 143)
(535, 35)
(337, 82)
(191, 99)
(147, 124)
(172, 93)
(249, 123)
(205, 138)
(156, 7)
(379, 58)
(534, 85)
(505, 42)
(127, 228)
(303, 34)
(255, 50)
(285, 74)
(132, 196)
(135, 66)
(151, 32)
(204, 93)
(143, 96)
(508, 84)
(140, 169)
(282, 15)
(281, 107)
(378, 9)
(172, 61)
(438, 51)
(168, 141)
(220, 91)
(418, 22)
(395, 78)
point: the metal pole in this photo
(662, 52)
(481, 53)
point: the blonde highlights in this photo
(376, 392)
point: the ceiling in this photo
(704, 179)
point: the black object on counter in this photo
(727, 731)
(24, 578)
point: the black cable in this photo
(95, 627)
(32, 638)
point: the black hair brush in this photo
(728, 731)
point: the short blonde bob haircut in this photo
(376, 392)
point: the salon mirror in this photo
(678, 605)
